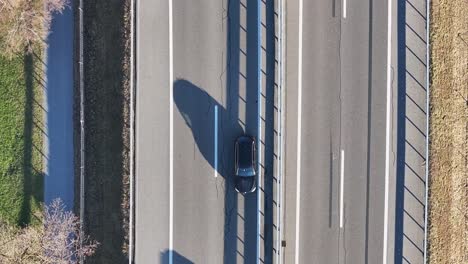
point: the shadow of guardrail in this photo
(32, 174)
(411, 126)
(270, 155)
(242, 103)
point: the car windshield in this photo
(245, 155)
(245, 184)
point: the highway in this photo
(336, 132)
(196, 83)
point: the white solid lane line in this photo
(216, 141)
(299, 127)
(344, 8)
(387, 124)
(341, 188)
(171, 138)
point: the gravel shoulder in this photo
(448, 167)
(106, 69)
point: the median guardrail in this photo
(259, 125)
(280, 119)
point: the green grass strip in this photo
(21, 125)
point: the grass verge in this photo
(106, 60)
(448, 168)
(21, 126)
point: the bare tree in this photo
(57, 241)
(26, 23)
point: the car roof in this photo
(245, 149)
(245, 138)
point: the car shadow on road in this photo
(196, 107)
(176, 258)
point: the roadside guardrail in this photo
(131, 231)
(82, 119)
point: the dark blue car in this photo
(245, 165)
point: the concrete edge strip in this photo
(426, 198)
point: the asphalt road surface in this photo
(336, 127)
(58, 106)
(196, 92)
(152, 132)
